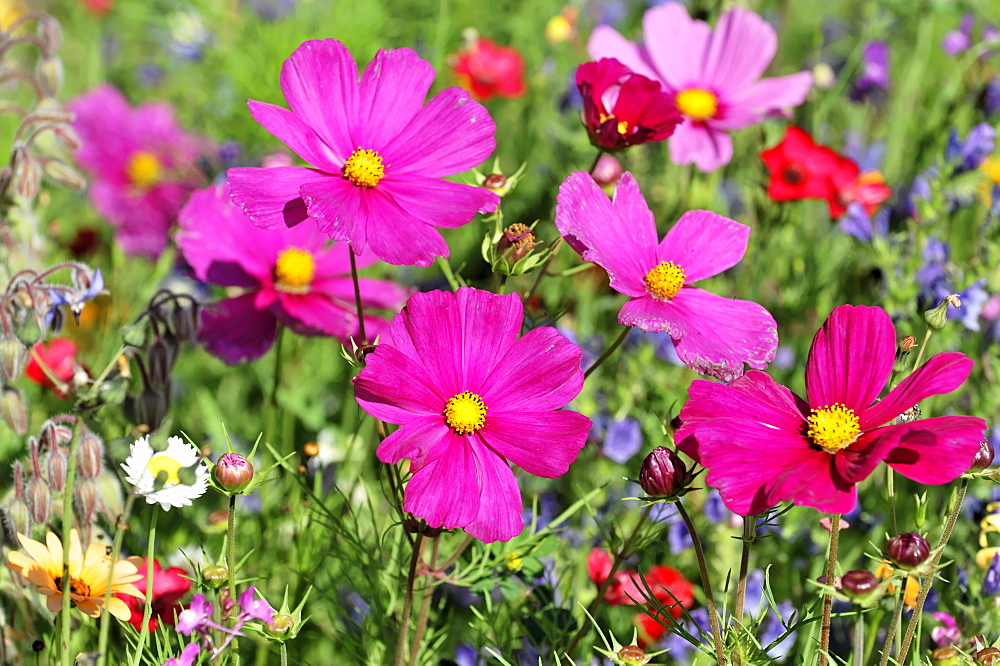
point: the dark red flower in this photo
(169, 587)
(799, 168)
(622, 108)
(852, 186)
(59, 357)
(485, 69)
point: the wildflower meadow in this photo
(527, 333)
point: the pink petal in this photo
(740, 49)
(851, 358)
(320, 82)
(439, 203)
(677, 46)
(236, 331)
(943, 373)
(700, 144)
(713, 335)
(937, 450)
(704, 244)
(540, 371)
(392, 90)
(764, 98)
(316, 314)
(270, 197)
(296, 134)
(414, 440)
(446, 490)
(859, 460)
(451, 134)
(625, 248)
(499, 516)
(394, 388)
(815, 481)
(541, 443)
(342, 210)
(606, 42)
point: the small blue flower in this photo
(857, 223)
(991, 584)
(623, 440)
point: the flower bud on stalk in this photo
(984, 458)
(280, 625)
(13, 358)
(233, 473)
(215, 576)
(39, 500)
(87, 497)
(903, 349)
(937, 318)
(55, 467)
(908, 551)
(663, 473)
(90, 456)
(947, 656)
(607, 171)
(516, 242)
(988, 657)
(12, 409)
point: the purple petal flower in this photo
(188, 656)
(874, 70)
(973, 150)
(623, 440)
(196, 617)
(857, 223)
(991, 583)
(257, 609)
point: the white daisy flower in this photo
(144, 465)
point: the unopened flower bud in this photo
(17, 517)
(216, 576)
(87, 498)
(824, 77)
(160, 356)
(65, 175)
(13, 358)
(148, 409)
(937, 318)
(12, 410)
(39, 500)
(908, 551)
(54, 435)
(110, 489)
(184, 322)
(632, 655)
(516, 242)
(858, 582)
(50, 74)
(903, 349)
(907, 344)
(55, 468)
(663, 473)
(495, 182)
(233, 472)
(984, 458)
(280, 624)
(607, 171)
(90, 455)
(988, 656)
(947, 655)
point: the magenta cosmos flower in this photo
(470, 396)
(292, 277)
(713, 335)
(762, 444)
(713, 76)
(143, 166)
(379, 155)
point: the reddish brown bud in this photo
(858, 583)
(632, 655)
(310, 449)
(233, 472)
(984, 458)
(495, 181)
(947, 655)
(663, 473)
(908, 551)
(988, 656)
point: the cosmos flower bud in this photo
(13, 358)
(216, 576)
(607, 171)
(233, 472)
(495, 181)
(858, 582)
(632, 655)
(12, 410)
(988, 657)
(90, 456)
(947, 655)
(663, 473)
(56, 469)
(984, 458)
(908, 551)
(903, 349)
(279, 625)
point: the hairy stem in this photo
(831, 568)
(404, 622)
(706, 583)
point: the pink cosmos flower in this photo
(143, 165)
(762, 444)
(713, 335)
(290, 276)
(713, 76)
(470, 396)
(379, 155)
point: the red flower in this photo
(485, 69)
(169, 587)
(852, 186)
(622, 108)
(627, 588)
(59, 357)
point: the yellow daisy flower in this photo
(90, 574)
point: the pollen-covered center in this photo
(294, 269)
(164, 463)
(833, 427)
(364, 168)
(143, 169)
(76, 586)
(697, 104)
(664, 281)
(465, 413)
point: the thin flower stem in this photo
(425, 606)
(749, 531)
(831, 569)
(404, 621)
(454, 556)
(231, 566)
(923, 346)
(608, 352)
(859, 637)
(894, 623)
(619, 557)
(706, 583)
(148, 605)
(357, 300)
(284, 655)
(925, 586)
(890, 488)
(64, 618)
(116, 548)
(597, 158)
(543, 270)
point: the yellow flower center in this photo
(834, 427)
(465, 413)
(664, 281)
(164, 463)
(697, 104)
(364, 168)
(622, 124)
(514, 561)
(76, 586)
(143, 169)
(293, 271)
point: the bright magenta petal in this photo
(701, 145)
(542, 443)
(704, 244)
(392, 90)
(236, 331)
(937, 450)
(270, 197)
(850, 358)
(943, 373)
(407, 240)
(295, 134)
(518, 382)
(446, 491)
(767, 97)
(499, 516)
(343, 211)
(439, 203)
(680, 58)
(606, 42)
(741, 48)
(414, 440)
(394, 388)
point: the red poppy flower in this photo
(799, 168)
(485, 69)
(169, 587)
(59, 357)
(622, 108)
(852, 186)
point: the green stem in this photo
(608, 352)
(831, 568)
(749, 532)
(231, 563)
(148, 606)
(894, 623)
(425, 606)
(619, 557)
(116, 548)
(449, 274)
(67, 523)
(923, 346)
(859, 638)
(357, 300)
(597, 159)
(890, 488)
(925, 586)
(706, 583)
(284, 655)
(404, 622)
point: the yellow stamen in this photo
(164, 463)
(143, 169)
(697, 104)
(514, 561)
(364, 168)
(664, 281)
(465, 413)
(76, 586)
(622, 124)
(293, 271)
(833, 427)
